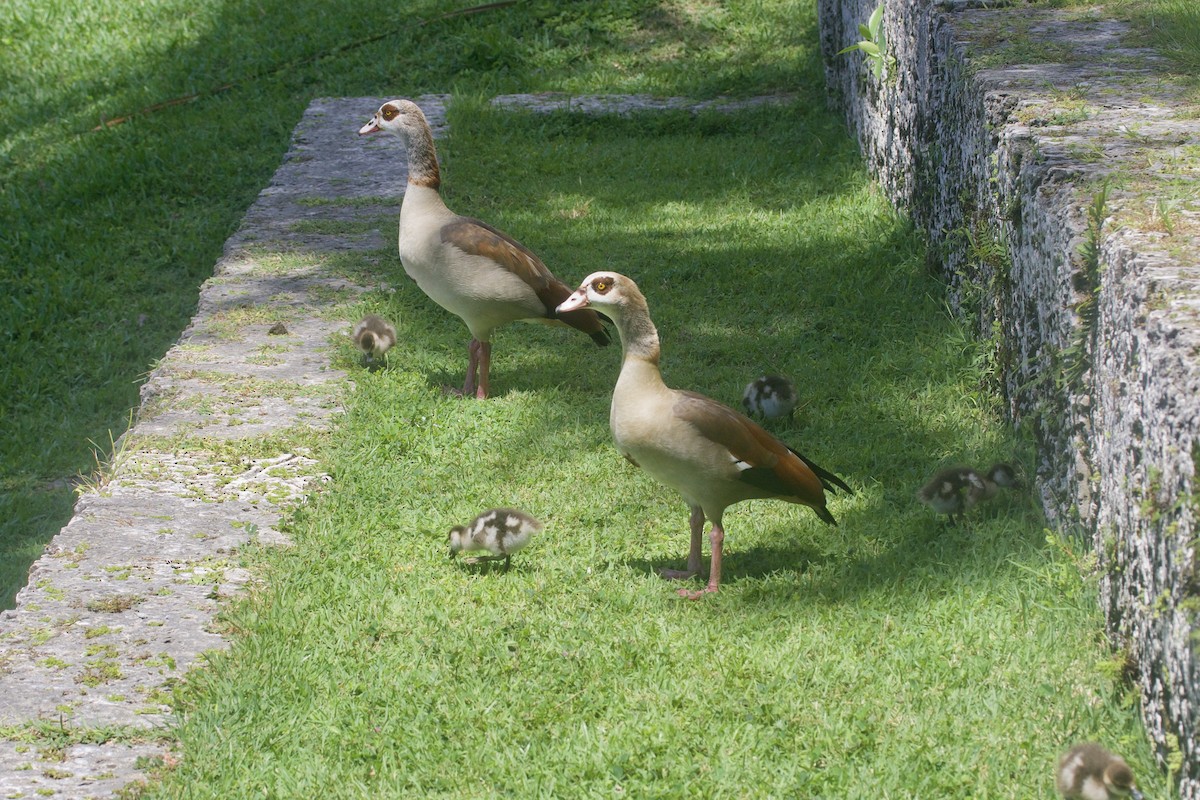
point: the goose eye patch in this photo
(601, 285)
(390, 112)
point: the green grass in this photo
(887, 657)
(1171, 26)
(105, 236)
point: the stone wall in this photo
(1050, 166)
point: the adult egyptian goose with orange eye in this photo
(709, 453)
(466, 266)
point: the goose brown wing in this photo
(765, 462)
(478, 238)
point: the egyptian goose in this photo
(955, 490)
(374, 336)
(709, 453)
(500, 531)
(770, 396)
(1089, 772)
(466, 266)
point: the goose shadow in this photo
(751, 564)
(857, 565)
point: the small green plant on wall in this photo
(873, 44)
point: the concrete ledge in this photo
(1054, 170)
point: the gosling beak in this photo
(370, 127)
(576, 301)
(1136, 795)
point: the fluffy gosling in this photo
(1089, 772)
(955, 490)
(374, 335)
(500, 531)
(770, 396)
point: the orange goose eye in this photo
(602, 285)
(390, 112)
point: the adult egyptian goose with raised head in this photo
(955, 490)
(1089, 772)
(709, 453)
(466, 266)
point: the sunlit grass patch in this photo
(892, 655)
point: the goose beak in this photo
(1135, 794)
(575, 302)
(370, 127)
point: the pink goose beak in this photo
(370, 127)
(576, 301)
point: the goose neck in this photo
(422, 158)
(639, 337)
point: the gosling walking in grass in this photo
(374, 335)
(500, 531)
(769, 397)
(1089, 772)
(956, 490)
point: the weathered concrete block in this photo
(1035, 149)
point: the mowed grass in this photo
(891, 656)
(1170, 26)
(888, 657)
(107, 231)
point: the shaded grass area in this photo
(106, 234)
(888, 657)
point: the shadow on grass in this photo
(928, 549)
(40, 512)
(144, 209)
(108, 234)
(754, 563)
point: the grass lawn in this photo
(106, 235)
(888, 657)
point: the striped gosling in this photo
(955, 490)
(770, 396)
(500, 531)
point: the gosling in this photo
(374, 335)
(770, 396)
(956, 490)
(500, 531)
(1089, 772)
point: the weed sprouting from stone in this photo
(873, 44)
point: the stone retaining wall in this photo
(1054, 169)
